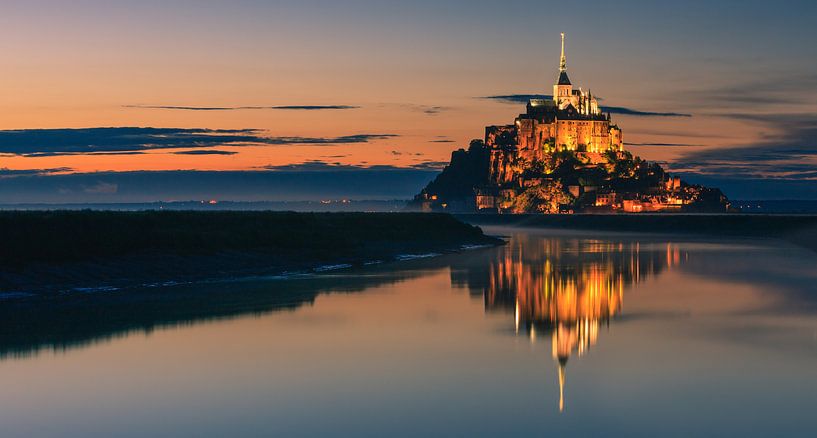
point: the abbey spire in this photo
(563, 61)
(563, 79)
(563, 89)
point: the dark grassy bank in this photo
(797, 229)
(58, 249)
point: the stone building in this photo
(572, 120)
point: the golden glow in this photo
(570, 289)
(561, 388)
(563, 61)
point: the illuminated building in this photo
(571, 120)
(563, 155)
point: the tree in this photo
(544, 198)
(561, 162)
(622, 166)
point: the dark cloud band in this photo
(323, 166)
(300, 182)
(13, 173)
(239, 108)
(524, 98)
(130, 140)
(205, 152)
(790, 154)
(669, 145)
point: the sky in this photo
(101, 98)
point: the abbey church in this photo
(570, 121)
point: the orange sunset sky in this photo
(414, 80)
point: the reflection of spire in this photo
(516, 316)
(569, 289)
(563, 61)
(562, 385)
(563, 340)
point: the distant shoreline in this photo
(781, 206)
(58, 251)
(799, 229)
(306, 206)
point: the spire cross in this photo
(563, 62)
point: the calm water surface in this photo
(556, 333)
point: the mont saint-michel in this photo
(563, 155)
(240, 219)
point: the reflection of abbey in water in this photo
(567, 288)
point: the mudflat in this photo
(46, 251)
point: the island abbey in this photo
(563, 154)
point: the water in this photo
(556, 333)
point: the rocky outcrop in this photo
(495, 177)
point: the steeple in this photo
(563, 79)
(563, 62)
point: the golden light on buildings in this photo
(570, 290)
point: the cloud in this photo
(205, 152)
(789, 153)
(517, 98)
(323, 166)
(668, 133)
(779, 89)
(61, 154)
(441, 139)
(237, 108)
(11, 173)
(524, 98)
(430, 110)
(632, 112)
(131, 140)
(661, 144)
(346, 139)
(430, 165)
(101, 188)
(312, 166)
(401, 153)
(41, 142)
(426, 109)
(298, 182)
